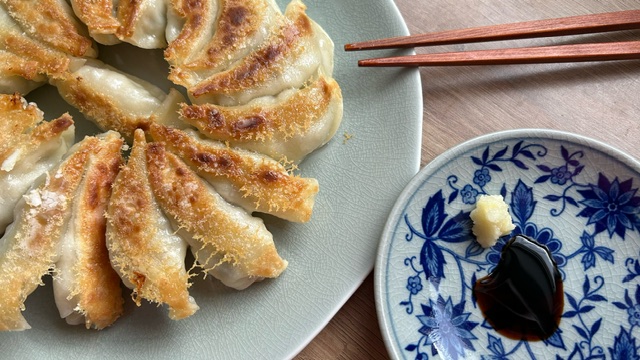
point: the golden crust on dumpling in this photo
(268, 62)
(48, 61)
(18, 118)
(260, 180)
(240, 26)
(30, 244)
(14, 65)
(97, 288)
(253, 122)
(197, 17)
(247, 247)
(290, 125)
(133, 227)
(98, 15)
(52, 22)
(99, 106)
(22, 126)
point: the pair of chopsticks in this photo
(574, 25)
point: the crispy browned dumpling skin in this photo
(142, 246)
(86, 287)
(116, 101)
(253, 181)
(30, 245)
(239, 27)
(291, 125)
(228, 243)
(29, 147)
(52, 23)
(294, 51)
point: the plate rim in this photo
(385, 240)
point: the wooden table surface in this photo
(598, 100)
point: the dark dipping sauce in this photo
(523, 297)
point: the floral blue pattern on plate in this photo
(577, 196)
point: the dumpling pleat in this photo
(30, 246)
(29, 147)
(240, 27)
(86, 287)
(291, 125)
(292, 54)
(143, 249)
(250, 180)
(226, 241)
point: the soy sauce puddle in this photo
(523, 297)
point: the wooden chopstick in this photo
(622, 20)
(626, 50)
(574, 25)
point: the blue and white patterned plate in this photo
(577, 196)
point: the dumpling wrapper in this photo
(24, 60)
(253, 181)
(204, 48)
(86, 288)
(189, 28)
(29, 147)
(100, 19)
(53, 23)
(294, 53)
(226, 241)
(143, 22)
(115, 100)
(291, 125)
(143, 248)
(30, 246)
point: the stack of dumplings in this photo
(170, 174)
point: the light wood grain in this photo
(596, 100)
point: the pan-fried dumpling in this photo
(28, 57)
(291, 125)
(30, 246)
(115, 100)
(143, 22)
(86, 288)
(226, 241)
(100, 18)
(52, 23)
(239, 27)
(29, 147)
(18, 74)
(293, 53)
(143, 248)
(244, 178)
(190, 21)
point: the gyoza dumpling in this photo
(115, 100)
(291, 125)
(232, 32)
(51, 22)
(189, 28)
(18, 74)
(293, 53)
(143, 248)
(141, 22)
(31, 244)
(26, 57)
(29, 147)
(100, 18)
(86, 288)
(244, 178)
(226, 241)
